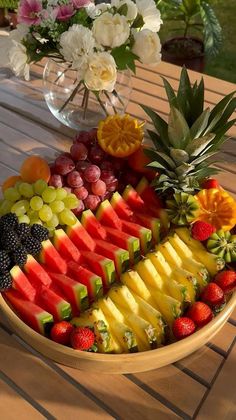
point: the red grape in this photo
(68, 189)
(92, 173)
(107, 176)
(79, 151)
(93, 135)
(112, 186)
(81, 193)
(67, 154)
(74, 179)
(96, 154)
(64, 165)
(83, 137)
(99, 187)
(92, 202)
(56, 181)
(107, 165)
(79, 209)
(81, 165)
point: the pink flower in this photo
(29, 12)
(80, 3)
(64, 12)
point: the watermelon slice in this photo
(107, 215)
(55, 304)
(22, 284)
(134, 200)
(50, 257)
(144, 234)
(87, 278)
(32, 314)
(65, 246)
(125, 241)
(100, 265)
(92, 225)
(118, 255)
(120, 206)
(36, 272)
(151, 223)
(148, 194)
(80, 237)
(75, 293)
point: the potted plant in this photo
(200, 33)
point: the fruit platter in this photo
(120, 255)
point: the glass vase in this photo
(76, 106)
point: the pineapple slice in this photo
(145, 333)
(149, 274)
(124, 335)
(121, 295)
(175, 289)
(153, 316)
(212, 262)
(134, 282)
(109, 308)
(169, 254)
(169, 307)
(188, 261)
(187, 279)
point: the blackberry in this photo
(32, 245)
(19, 256)
(23, 230)
(9, 240)
(5, 281)
(39, 232)
(5, 261)
(9, 221)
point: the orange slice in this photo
(34, 168)
(120, 135)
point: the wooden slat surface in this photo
(190, 387)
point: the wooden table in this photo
(31, 387)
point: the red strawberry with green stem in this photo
(213, 295)
(200, 313)
(201, 231)
(226, 280)
(183, 327)
(82, 338)
(61, 332)
(210, 183)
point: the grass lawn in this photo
(224, 65)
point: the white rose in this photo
(76, 45)
(94, 11)
(19, 60)
(111, 30)
(132, 10)
(151, 15)
(101, 72)
(147, 46)
(6, 43)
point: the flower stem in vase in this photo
(109, 99)
(71, 97)
(85, 102)
(118, 97)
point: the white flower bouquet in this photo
(95, 40)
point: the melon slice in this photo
(80, 237)
(125, 241)
(65, 246)
(55, 304)
(33, 315)
(151, 223)
(50, 257)
(120, 206)
(118, 255)
(22, 284)
(36, 272)
(144, 234)
(92, 281)
(100, 265)
(107, 215)
(92, 225)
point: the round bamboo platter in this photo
(117, 363)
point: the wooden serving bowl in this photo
(117, 363)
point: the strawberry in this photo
(213, 295)
(201, 231)
(226, 280)
(200, 313)
(61, 332)
(82, 338)
(183, 327)
(210, 183)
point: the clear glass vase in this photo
(74, 105)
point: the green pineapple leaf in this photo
(156, 139)
(217, 112)
(202, 158)
(200, 124)
(197, 103)
(178, 129)
(184, 95)
(198, 145)
(160, 125)
(179, 155)
(172, 98)
(164, 157)
(220, 136)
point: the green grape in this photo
(36, 221)
(66, 217)
(17, 185)
(26, 190)
(45, 213)
(57, 206)
(32, 214)
(61, 193)
(36, 203)
(11, 194)
(20, 207)
(71, 201)
(5, 207)
(39, 186)
(51, 231)
(53, 222)
(49, 195)
(24, 219)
